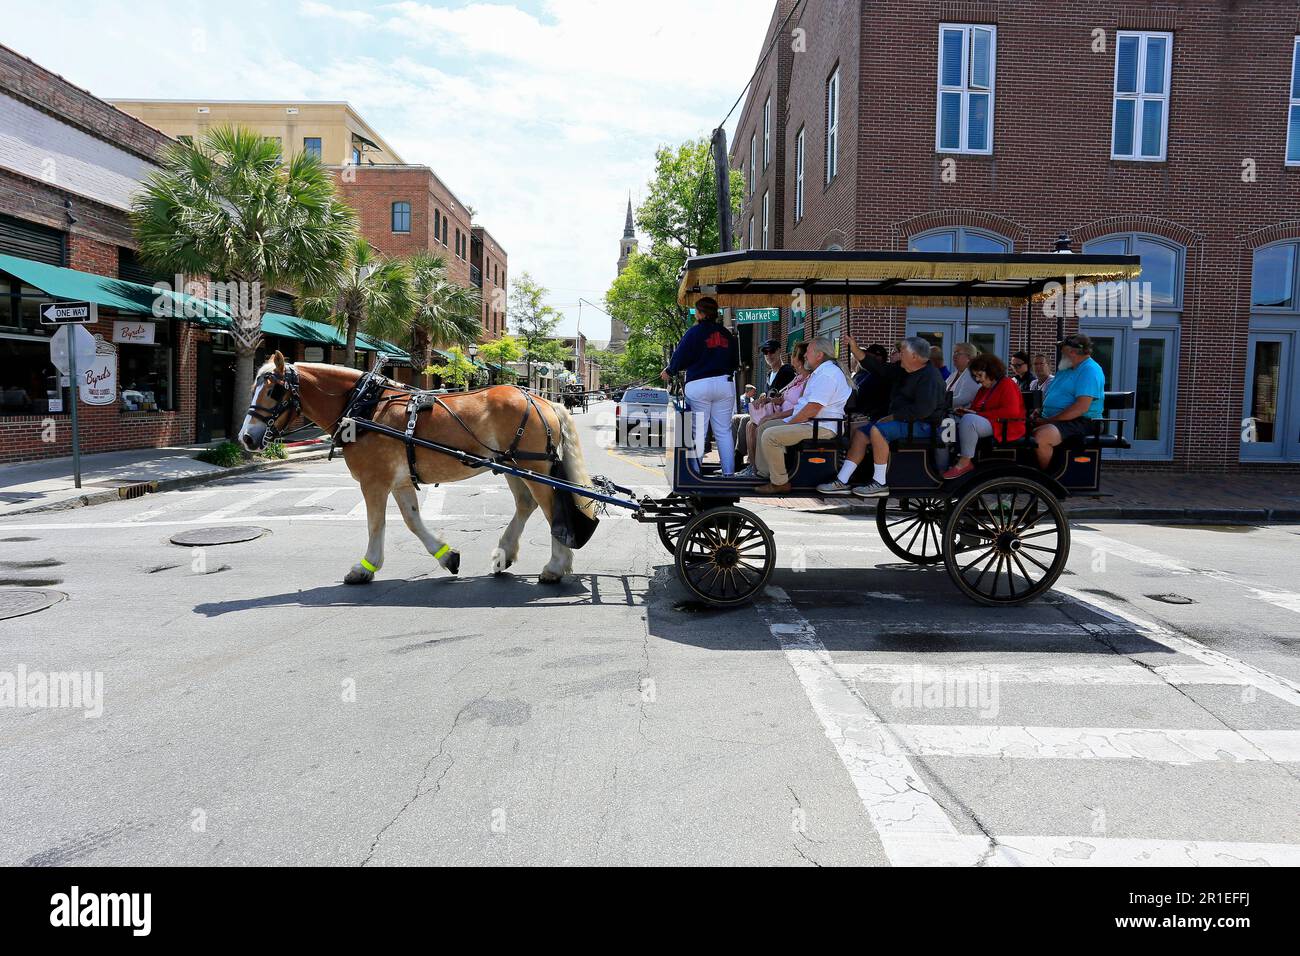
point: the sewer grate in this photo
(16, 602)
(206, 537)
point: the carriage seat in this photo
(1101, 436)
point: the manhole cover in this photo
(204, 537)
(1171, 598)
(15, 602)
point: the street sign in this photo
(756, 316)
(59, 348)
(69, 313)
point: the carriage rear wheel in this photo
(1006, 541)
(725, 556)
(913, 528)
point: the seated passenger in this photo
(766, 411)
(960, 384)
(1020, 370)
(1042, 376)
(997, 409)
(823, 398)
(870, 390)
(916, 407)
(1073, 398)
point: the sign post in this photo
(72, 313)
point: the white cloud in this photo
(542, 123)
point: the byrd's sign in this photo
(97, 382)
(133, 333)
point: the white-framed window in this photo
(1141, 117)
(765, 220)
(832, 124)
(753, 161)
(964, 105)
(1293, 114)
(798, 175)
(767, 131)
(751, 233)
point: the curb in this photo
(1208, 516)
(168, 484)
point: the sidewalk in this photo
(47, 485)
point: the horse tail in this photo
(574, 464)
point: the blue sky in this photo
(541, 115)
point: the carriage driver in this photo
(709, 355)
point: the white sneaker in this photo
(873, 490)
(835, 487)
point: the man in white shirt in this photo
(823, 398)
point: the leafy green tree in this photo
(458, 370)
(532, 320)
(365, 290)
(680, 219)
(444, 312)
(229, 207)
(501, 351)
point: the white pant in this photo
(713, 402)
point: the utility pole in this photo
(723, 173)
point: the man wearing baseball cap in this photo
(1072, 400)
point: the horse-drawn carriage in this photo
(999, 529)
(575, 396)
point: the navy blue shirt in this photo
(707, 349)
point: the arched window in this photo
(959, 239)
(1136, 342)
(437, 224)
(1273, 277)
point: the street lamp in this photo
(472, 351)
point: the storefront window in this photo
(29, 382)
(146, 372)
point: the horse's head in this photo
(274, 403)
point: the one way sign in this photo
(69, 313)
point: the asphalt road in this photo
(257, 710)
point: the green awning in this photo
(292, 327)
(130, 297)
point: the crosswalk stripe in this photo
(1287, 600)
(1178, 747)
(893, 794)
(316, 497)
(1084, 675)
(187, 500)
(1280, 687)
(242, 504)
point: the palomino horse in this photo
(491, 418)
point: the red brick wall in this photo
(1051, 171)
(487, 254)
(372, 190)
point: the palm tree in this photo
(365, 290)
(229, 207)
(445, 313)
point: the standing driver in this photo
(1072, 399)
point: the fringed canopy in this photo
(789, 279)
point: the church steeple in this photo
(629, 230)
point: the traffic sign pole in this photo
(76, 431)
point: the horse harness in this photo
(369, 393)
(284, 392)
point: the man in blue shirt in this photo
(1073, 399)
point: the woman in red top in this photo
(997, 409)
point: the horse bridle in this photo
(284, 391)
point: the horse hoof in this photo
(359, 576)
(550, 577)
(452, 562)
(499, 561)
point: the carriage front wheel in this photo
(725, 556)
(1006, 541)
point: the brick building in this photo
(407, 209)
(487, 271)
(1170, 132)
